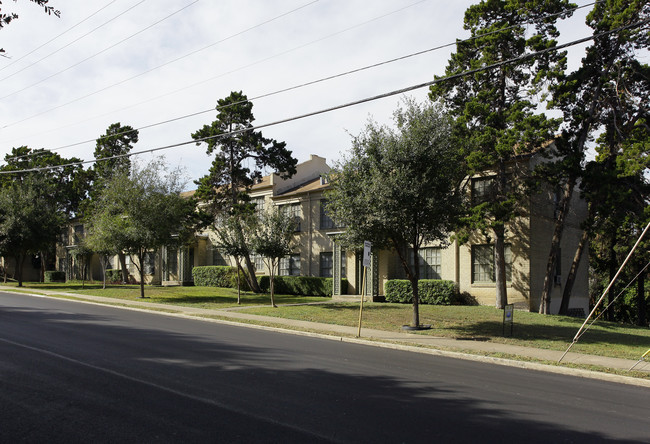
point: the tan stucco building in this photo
(469, 265)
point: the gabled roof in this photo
(306, 187)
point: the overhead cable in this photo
(53, 39)
(349, 104)
(77, 39)
(102, 51)
(295, 87)
(211, 78)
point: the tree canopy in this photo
(495, 110)
(141, 211)
(273, 239)
(236, 146)
(400, 188)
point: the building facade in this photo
(316, 253)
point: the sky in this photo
(161, 66)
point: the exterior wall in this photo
(529, 238)
(542, 226)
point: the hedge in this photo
(113, 275)
(301, 285)
(54, 276)
(218, 276)
(432, 292)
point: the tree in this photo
(56, 184)
(143, 211)
(236, 146)
(233, 234)
(100, 242)
(495, 109)
(111, 155)
(273, 240)
(29, 221)
(610, 76)
(82, 254)
(400, 188)
(5, 19)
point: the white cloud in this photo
(321, 39)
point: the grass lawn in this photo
(200, 297)
(461, 322)
(481, 323)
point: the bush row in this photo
(54, 276)
(432, 292)
(301, 285)
(216, 276)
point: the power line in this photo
(54, 38)
(302, 85)
(349, 104)
(102, 51)
(211, 78)
(76, 40)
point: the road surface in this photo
(73, 372)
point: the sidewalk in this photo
(394, 339)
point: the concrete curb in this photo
(332, 336)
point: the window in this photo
(78, 233)
(290, 265)
(149, 262)
(172, 260)
(343, 265)
(258, 262)
(326, 265)
(429, 262)
(326, 222)
(293, 210)
(259, 205)
(218, 258)
(482, 188)
(483, 263)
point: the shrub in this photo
(113, 275)
(432, 292)
(301, 285)
(218, 276)
(54, 276)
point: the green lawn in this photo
(462, 322)
(481, 323)
(200, 297)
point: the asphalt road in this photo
(72, 372)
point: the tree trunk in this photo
(238, 280)
(250, 276)
(125, 272)
(272, 284)
(102, 261)
(500, 267)
(640, 299)
(42, 273)
(20, 261)
(563, 209)
(140, 267)
(414, 278)
(613, 268)
(571, 278)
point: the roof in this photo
(306, 187)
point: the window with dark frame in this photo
(483, 269)
(290, 265)
(482, 188)
(430, 265)
(326, 264)
(293, 210)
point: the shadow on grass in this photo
(536, 332)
